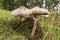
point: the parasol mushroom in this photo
(36, 13)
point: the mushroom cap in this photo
(39, 11)
(21, 11)
(26, 13)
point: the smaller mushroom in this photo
(36, 13)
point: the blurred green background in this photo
(12, 28)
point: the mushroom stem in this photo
(34, 27)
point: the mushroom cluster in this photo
(34, 13)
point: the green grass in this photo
(7, 22)
(6, 30)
